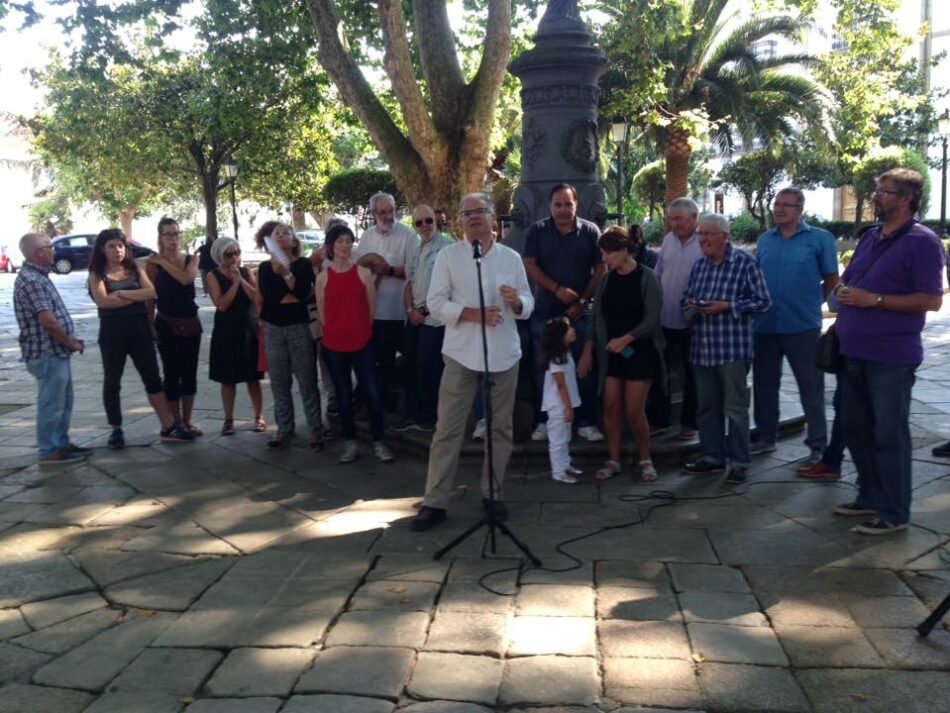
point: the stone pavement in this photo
(219, 577)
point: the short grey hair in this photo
(793, 191)
(375, 199)
(684, 203)
(479, 195)
(720, 221)
(220, 246)
(28, 244)
(427, 208)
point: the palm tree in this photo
(686, 69)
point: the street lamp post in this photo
(943, 128)
(618, 132)
(231, 170)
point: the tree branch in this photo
(440, 63)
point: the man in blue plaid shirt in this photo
(726, 289)
(47, 341)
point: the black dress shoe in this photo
(427, 518)
(942, 451)
(497, 507)
(704, 465)
(737, 476)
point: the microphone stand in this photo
(490, 518)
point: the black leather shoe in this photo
(737, 476)
(704, 465)
(498, 507)
(942, 451)
(427, 518)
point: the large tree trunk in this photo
(209, 196)
(445, 150)
(126, 216)
(677, 152)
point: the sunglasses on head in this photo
(426, 221)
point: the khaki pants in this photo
(456, 393)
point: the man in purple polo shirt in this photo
(894, 278)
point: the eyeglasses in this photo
(885, 192)
(786, 205)
(474, 211)
(709, 233)
(426, 221)
(232, 253)
(175, 234)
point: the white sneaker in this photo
(540, 432)
(382, 452)
(563, 478)
(479, 433)
(590, 433)
(571, 470)
(349, 452)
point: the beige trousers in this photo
(456, 393)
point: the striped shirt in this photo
(724, 338)
(33, 292)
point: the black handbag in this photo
(828, 356)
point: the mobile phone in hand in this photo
(627, 352)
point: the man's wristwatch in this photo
(879, 302)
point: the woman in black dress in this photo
(234, 343)
(626, 341)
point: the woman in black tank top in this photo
(121, 290)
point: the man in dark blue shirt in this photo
(562, 258)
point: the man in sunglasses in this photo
(422, 340)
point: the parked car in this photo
(310, 240)
(72, 252)
(7, 263)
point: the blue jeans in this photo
(54, 403)
(875, 416)
(723, 399)
(833, 455)
(587, 387)
(799, 349)
(422, 357)
(363, 362)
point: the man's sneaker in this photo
(878, 527)
(737, 475)
(497, 507)
(942, 451)
(117, 439)
(73, 448)
(564, 478)
(61, 456)
(176, 434)
(758, 447)
(479, 433)
(704, 465)
(854, 509)
(427, 518)
(407, 424)
(819, 471)
(571, 470)
(540, 432)
(382, 452)
(424, 427)
(659, 431)
(590, 433)
(686, 434)
(349, 452)
(814, 457)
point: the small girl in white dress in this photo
(560, 396)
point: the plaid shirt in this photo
(723, 338)
(33, 292)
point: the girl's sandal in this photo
(227, 428)
(260, 425)
(192, 429)
(610, 469)
(647, 471)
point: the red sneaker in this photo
(819, 471)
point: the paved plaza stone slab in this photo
(563, 636)
(444, 707)
(66, 635)
(337, 704)
(637, 604)
(17, 662)
(177, 671)
(734, 687)
(827, 646)
(12, 624)
(410, 568)
(259, 672)
(551, 680)
(469, 596)
(170, 590)
(825, 580)
(875, 612)
(359, 670)
(640, 575)
(20, 698)
(401, 595)
(92, 665)
(110, 566)
(870, 691)
(456, 677)
(652, 682)
(138, 701)
(235, 705)
(903, 648)
(643, 639)
(722, 608)
(40, 575)
(811, 609)
(737, 644)
(234, 627)
(52, 611)
(468, 633)
(181, 537)
(555, 600)
(707, 578)
(379, 627)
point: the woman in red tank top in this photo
(346, 296)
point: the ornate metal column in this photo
(559, 121)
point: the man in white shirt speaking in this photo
(453, 299)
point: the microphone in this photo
(476, 249)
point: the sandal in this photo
(610, 469)
(227, 428)
(647, 470)
(193, 430)
(260, 425)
